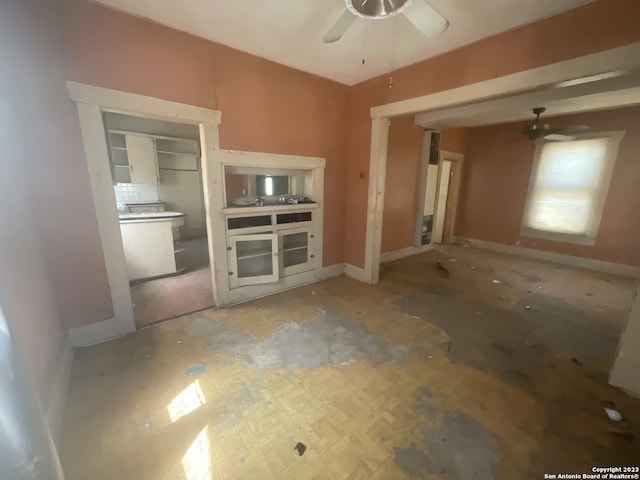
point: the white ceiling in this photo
(289, 31)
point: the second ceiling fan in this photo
(422, 15)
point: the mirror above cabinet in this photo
(247, 186)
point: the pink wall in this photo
(265, 106)
(598, 26)
(496, 174)
(454, 140)
(30, 88)
(402, 183)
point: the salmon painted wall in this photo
(265, 106)
(598, 26)
(454, 140)
(30, 91)
(496, 176)
(402, 183)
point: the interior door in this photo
(441, 202)
(253, 259)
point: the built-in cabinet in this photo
(271, 245)
(273, 221)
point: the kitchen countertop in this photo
(145, 216)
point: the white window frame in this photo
(614, 138)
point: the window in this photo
(568, 187)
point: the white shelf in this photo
(269, 208)
(177, 153)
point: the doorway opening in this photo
(438, 192)
(91, 103)
(157, 177)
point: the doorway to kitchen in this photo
(91, 103)
(157, 179)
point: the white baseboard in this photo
(99, 332)
(241, 295)
(356, 273)
(58, 388)
(403, 253)
(569, 260)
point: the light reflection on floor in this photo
(197, 461)
(190, 399)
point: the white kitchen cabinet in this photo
(141, 153)
(148, 243)
(285, 233)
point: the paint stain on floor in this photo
(461, 449)
(416, 377)
(326, 338)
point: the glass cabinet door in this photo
(295, 251)
(253, 259)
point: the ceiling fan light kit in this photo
(376, 8)
(419, 12)
(539, 130)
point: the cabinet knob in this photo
(310, 236)
(230, 273)
(229, 248)
(310, 256)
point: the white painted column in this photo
(626, 369)
(375, 203)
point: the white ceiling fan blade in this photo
(340, 27)
(425, 18)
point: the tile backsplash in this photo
(132, 192)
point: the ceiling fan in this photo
(423, 16)
(538, 130)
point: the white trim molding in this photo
(91, 102)
(599, 198)
(601, 266)
(356, 273)
(134, 104)
(394, 255)
(290, 282)
(621, 58)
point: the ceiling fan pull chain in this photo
(393, 51)
(364, 39)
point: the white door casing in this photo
(91, 102)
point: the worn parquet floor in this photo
(416, 377)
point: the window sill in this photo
(559, 237)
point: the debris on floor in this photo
(497, 282)
(452, 260)
(576, 361)
(611, 412)
(442, 271)
(300, 448)
(195, 370)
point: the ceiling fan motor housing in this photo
(376, 8)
